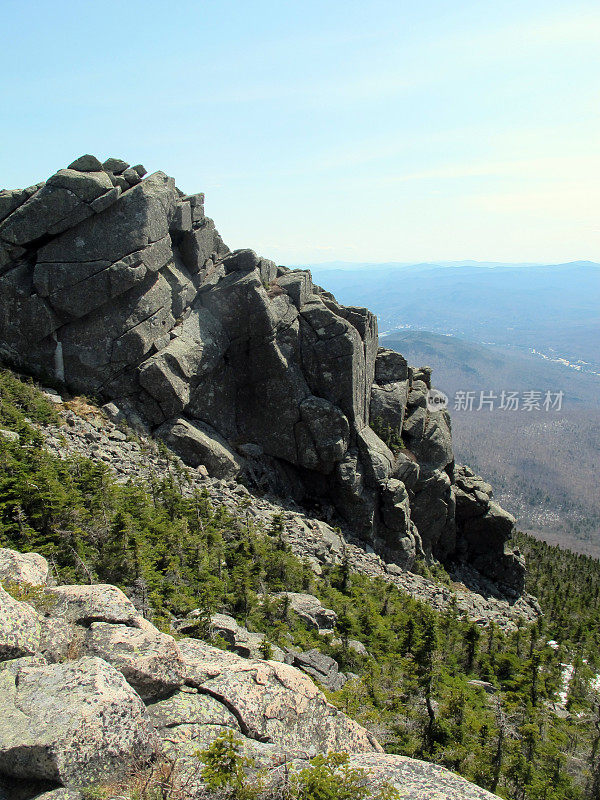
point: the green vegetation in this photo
(331, 777)
(227, 774)
(225, 768)
(328, 777)
(173, 553)
(568, 587)
(388, 434)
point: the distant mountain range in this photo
(553, 309)
(476, 326)
(462, 365)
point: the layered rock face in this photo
(121, 287)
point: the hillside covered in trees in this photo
(493, 707)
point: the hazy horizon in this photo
(458, 263)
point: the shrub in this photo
(266, 650)
(225, 768)
(388, 434)
(331, 777)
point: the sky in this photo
(321, 131)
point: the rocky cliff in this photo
(87, 431)
(117, 285)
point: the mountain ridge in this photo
(126, 290)
(552, 309)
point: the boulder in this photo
(469, 505)
(490, 531)
(390, 367)
(148, 659)
(19, 628)
(322, 668)
(432, 511)
(395, 506)
(64, 201)
(86, 163)
(389, 391)
(140, 169)
(406, 469)
(196, 350)
(203, 661)
(131, 176)
(358, 647)
(487, 687)
(115, 165)
(86, 604)
(200, 244)
(11, 199)
(100, 348)
(77, 723)
(353, 498)
(23, 568)
(422, 374)
(310, 610)
(140, 217)
(182, 218)
(119, 182)
(377, 458)
(335, 356)
(465, 479)
(298, 285)
(26, 320)
(60, 640)
(398, 530)
(429, 437)
(322, 434)
(196, 443)
(417, 780)
(188, 721)
(196, 202)
(79, 289)
(242, 641)
(388, 404)
(273, 703)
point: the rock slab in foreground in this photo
(74, 723)
(418, 780)
(273, 702)
(86, 604)
(149, 660)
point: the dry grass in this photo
(170, 779)
(274, 290)
(82, 407)
(156, 782)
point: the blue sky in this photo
(320, 131)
